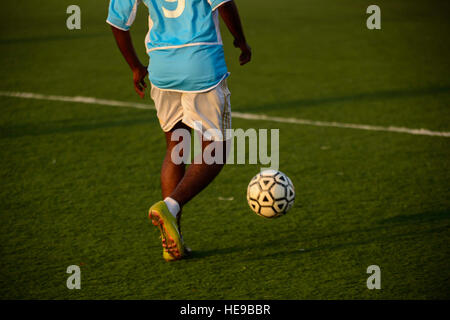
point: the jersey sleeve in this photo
(121, 13)
(217, 3)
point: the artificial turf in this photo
(76, 180)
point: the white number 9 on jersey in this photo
(177, 12)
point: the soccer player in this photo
(187, 72)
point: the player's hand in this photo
(139, 75)
(246, 52)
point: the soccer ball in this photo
(270, 194)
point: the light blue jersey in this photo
(183, 41)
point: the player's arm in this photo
(230, 15)
(125, 44)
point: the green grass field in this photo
(76, 180)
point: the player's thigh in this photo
(209, 112)
(168, 106)
(176, 134)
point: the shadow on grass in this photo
(400, 220)
(8, 132)
(418, 217)
(59, 37)
(366, 236)
(200, 254)
(350, 244)
(379, 95)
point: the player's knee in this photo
(215, 152)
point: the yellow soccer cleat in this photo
(168, 257)
(171, 238)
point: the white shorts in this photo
(208, 112)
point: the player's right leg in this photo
(212, 111)
(198, 176)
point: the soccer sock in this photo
(173, 206)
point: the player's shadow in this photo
(336, 241)
(371, 235)
(378, 95)
(346, 245)
(200, 254)
(417, 218)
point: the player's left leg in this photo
(195, 179)
(171, 173)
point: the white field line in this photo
(87, 100)
(239, 115)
